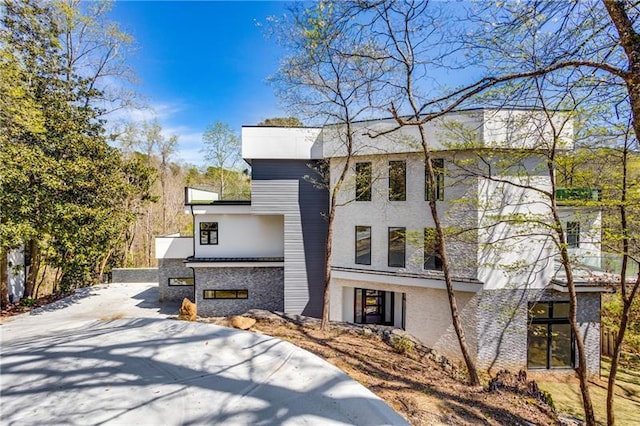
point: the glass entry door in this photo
(373, 307)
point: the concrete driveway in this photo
(108, 355)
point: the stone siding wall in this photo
(174, 268)
(265, 287)
(502, 325)
(134, 275)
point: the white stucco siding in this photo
(590, 220)
(303, 143)
(526, 129)
(174, 247)
(404, 140)
(457, 211)
(515, 251)
(243, 236)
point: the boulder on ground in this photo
(187, 311)
(243, 323)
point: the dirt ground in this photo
(423, 387)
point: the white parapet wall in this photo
(174, 247)
(291, 143)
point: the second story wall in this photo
(238, 235)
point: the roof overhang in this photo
(234, 262)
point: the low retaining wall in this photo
(134, 275)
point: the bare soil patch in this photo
(421, 385)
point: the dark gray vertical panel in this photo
(313, 205)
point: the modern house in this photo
(493, 191)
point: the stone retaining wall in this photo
(134, 275)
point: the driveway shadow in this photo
(149, 300)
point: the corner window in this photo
(397, 180)
(397, 247)
(363, 181)
(550, 339)
(573, 234)
(432, 260)
(438, 189)
(363, 245)
(225, 294)
(208, 233)
(180, 281)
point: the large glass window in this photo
(432, 260)
(438, 170)
(363, 181)
(397, 246)
(550, 340)
(397, 180)
(573, 234)
(363, 245)
(208, 233)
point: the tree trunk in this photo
(474, 379)
(4, 279)
(33, 268)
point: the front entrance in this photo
(373, 306)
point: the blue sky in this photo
(201, 62)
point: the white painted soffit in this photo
(398, 279)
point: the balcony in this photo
(599, 263)
(572, 196)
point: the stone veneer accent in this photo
(174, 268)
(134, 275)
(502, 322)
(265, 286)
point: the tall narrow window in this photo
(208, 233)
(397, 180)
(432, 260)
(550, 340)
(363, 245)
(438, 171)
(397, 246)
(363, 181)
(573, 234)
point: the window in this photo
(438, 170)
(363, 181)
(373, 307)
(573, 234)
(432, 261)
(397, 181)
(363, 245)
(397, 246)
(180, 281)
(550, 340)
(208, 233)
(225, 294)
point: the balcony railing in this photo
(602, 262)
(568, 195)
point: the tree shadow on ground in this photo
(155, 371)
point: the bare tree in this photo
(318, 81)
(222, 151)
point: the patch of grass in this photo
(567, 399)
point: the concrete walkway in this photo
(108, 355)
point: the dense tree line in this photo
(65, 191)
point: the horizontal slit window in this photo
(180, 281)
(225, 294)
